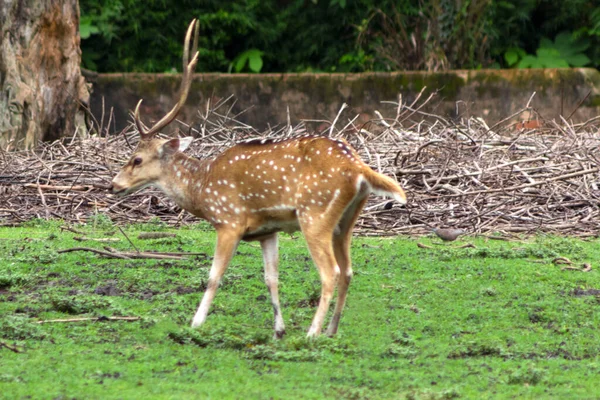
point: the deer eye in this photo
(137, 161)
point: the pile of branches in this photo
(531, 176)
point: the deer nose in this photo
(115, 187)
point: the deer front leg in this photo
(227, 243)
(271, 258)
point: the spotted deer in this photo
(258, 188)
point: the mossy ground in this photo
(496, 321)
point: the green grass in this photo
(496, 321)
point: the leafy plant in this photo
(565, 51)
(335, 35)
(17, 327)
(87, 27)
(8, 279)
(252, 58)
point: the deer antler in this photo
(186, 80)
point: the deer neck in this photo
(183, 180)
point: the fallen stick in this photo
(562, 260)
(89, 319)
(101, 252)
(85, 238)
(423, 246)
(176, 253)
(68, 228)
(53, 187)
(112, 253)
(14, 349)
(586, 267)
(129, 240)
(156, 235)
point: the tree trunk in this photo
(41, 88)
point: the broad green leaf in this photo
(86, 28)
(567, 44)
(563, 40)
(547, 53)
(255, 61)
(240, 62)
(546, 43)
(511, 57)
(578, 60)
(529, 61)
(506, 5)
(551, 58)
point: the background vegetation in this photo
(341, 35)
(500, 320)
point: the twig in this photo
(14, 349)
(156, 235)
(129, 240)
(423, 246)
(103, 240)
(59, 188)
(70, 229)
(103, 253)
(579, 105)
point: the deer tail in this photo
(385, 186)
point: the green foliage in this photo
(100, 221)
(77, 304)
(154, 224)
(252, 58)
(334, 35)
(527, 376)
(513, 55)
(8, 279)
(87, 28)
(19, 327)
(565, 51)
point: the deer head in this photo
(148, 160)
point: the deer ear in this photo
(185, 142)
(174, 145)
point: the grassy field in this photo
(500, 320)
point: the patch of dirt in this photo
(585, 292)
(108, 290)
(187, 290)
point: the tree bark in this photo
(42, 92)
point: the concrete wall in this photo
(266, 98)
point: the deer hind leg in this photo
(321, 250)
(341, 248)
(227, 243)
(318, 227)
(270, 252)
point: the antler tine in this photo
(186, 80)
(194, 26)
(138, 122)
